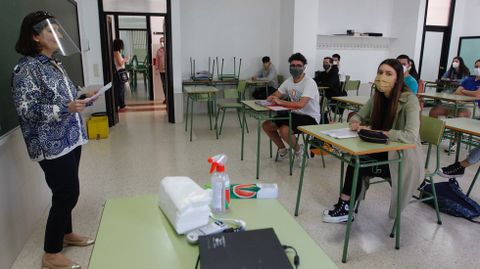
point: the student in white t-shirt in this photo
(304, 102)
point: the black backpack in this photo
(452, 200)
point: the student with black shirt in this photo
(329, 78)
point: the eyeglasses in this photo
(296, 65)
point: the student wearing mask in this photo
(329, 78)
(336, 63)
(457, 71)
(470, 86)
(269, 74)
(395, 111)
(304, 101)
(409, 79)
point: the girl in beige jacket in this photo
(395, 110)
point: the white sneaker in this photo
(282, 154)
(299, 156)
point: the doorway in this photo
(436, 39)
(141, 34)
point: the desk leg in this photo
(342, 169)
(271, 150)
(186, 113)
(191, 119)
(243, 131)
(399, 193)
(351, 208)
(290, 143)
(258, 147)
(459, 141)
(302, 173)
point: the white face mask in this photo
(455, 65)
(335, 62)
(405, 68)
(477, 71)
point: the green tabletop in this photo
(200, 89)
(455, 98)
(352, 100)
(251, 104)
(352, 146)
(463, 125)
(134, 233)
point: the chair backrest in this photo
(280, 79)
(134, 60)
(347, 78)
(431, 130)
(352, 85)
(237, 93)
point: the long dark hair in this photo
(384, 109)
(413, 70)
(463, 70)
(118, 45)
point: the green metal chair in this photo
(143, 69)
(280, 79)
(351, 85)
(431, 131)
(239, 95)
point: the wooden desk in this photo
(353, 148)
(134, 233)
(262, 113)
(456, 99)
(200, 93)
(464, 126)
(352, 100)
(349, 102)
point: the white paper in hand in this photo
(100, 92)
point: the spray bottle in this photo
(220, 183)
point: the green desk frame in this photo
(200, 93)
(261, 113)
(350, 152)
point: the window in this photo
(438, 12)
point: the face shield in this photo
(53, 36)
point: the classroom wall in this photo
(338, 16)
(465, 23)
(304, 32)
(246, 29)
(91, 49)
(287, 13)
(24, 196)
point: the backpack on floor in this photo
(452, 200)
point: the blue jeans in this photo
(474, 156)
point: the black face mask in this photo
(326, 66)
(296, 71)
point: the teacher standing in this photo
(48, 110)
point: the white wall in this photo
(286, 18)
(338, 16)
(92, 50)
(465, 23)
(246, 29)
(23, 196)
(305, 31)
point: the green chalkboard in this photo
(11, 16)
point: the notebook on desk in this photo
(253, 249)
(270, 105)
(340, 133)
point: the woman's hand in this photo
(92, 93)
(76, 106)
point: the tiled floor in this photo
(143, 148)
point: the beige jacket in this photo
(406, 128)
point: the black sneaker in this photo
(453, 170)
(339, 213)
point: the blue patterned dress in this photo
(41, 92)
